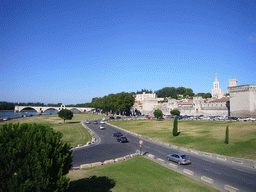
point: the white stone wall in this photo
(243, 100)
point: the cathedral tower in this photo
(216, 91)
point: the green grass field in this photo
(137, 174)
(73, 132)
(205, 136)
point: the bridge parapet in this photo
(42, 109)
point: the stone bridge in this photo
(40, 109)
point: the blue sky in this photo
(71, 51)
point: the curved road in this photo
(223, 173)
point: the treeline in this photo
(175, 92)
(114, 103)
(10, 106)
(204, 95)
(144, 90)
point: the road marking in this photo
(213, 171)
(207, 160)
(241, 170)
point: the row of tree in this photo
(119, 103)
(10, 106)
(175, 92)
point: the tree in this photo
(33, 158)
(175, 112)
(65, 114)
(158, 113)
(227, 135)
(175, 127)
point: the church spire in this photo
(216, 77)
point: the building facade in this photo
(241, 102)
(195, 106)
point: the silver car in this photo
(180, 158)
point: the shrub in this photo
(227, 135)
(158, 113)
(175, 112)
(175, 127)
(33, 158)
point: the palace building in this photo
(240, 103)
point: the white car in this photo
(206, 118)
(87, 122)
(102, 121)
(6, 118)
(102, 127)
(252, 119)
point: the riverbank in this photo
(73, 132)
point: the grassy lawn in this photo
(73, 132)
(205, 136)
(137, 174)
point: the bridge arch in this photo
(29, 107)
(47, 108)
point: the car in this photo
(180, 158)
(160, 118)
(6, 118)
(111, 117)
(87, 122)
(102, 127)
(95, 122)
(252, 119)
(180, 117)
(122, 139)
(118, 117)
(117, 134)
(148, 117)
(233, 118)
(102, 122)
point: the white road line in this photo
(241, 170)
(213, 171)
(208, 160)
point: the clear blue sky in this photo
(71, 51)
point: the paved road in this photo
(223, 173)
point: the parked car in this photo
(206, 118)
(95, 122)
(118, 117)
(180, 158)
(148, 117)
(117, 134)
(180, 117)
(6, 118)
(233, 118)
(102, 127)
(160, 118)
(102, 122)
(252, 119)
(122, 139)
(87, 122)
(111, 117)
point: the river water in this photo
(27, 113)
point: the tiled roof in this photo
(186, 103)
(221, 100)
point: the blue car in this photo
(122, 139)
